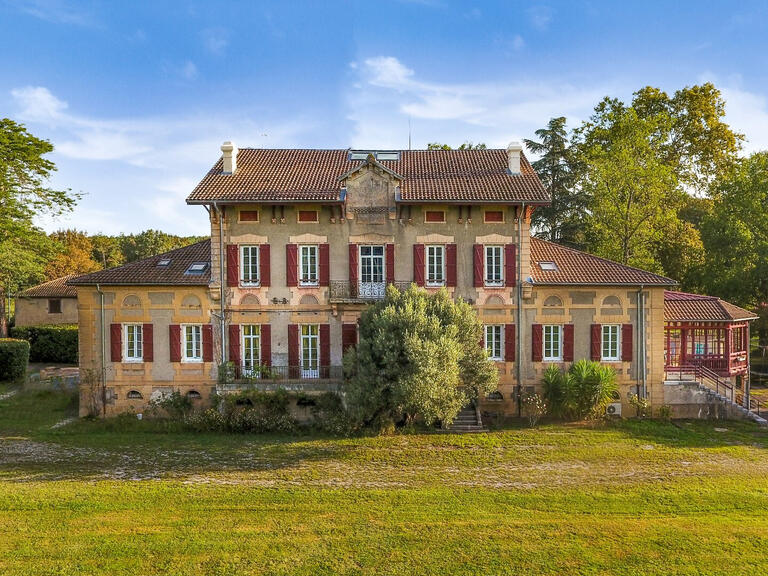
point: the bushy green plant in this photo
(583, 391)
(174, 405)
(665, 412)
(330, 415)
(14, 358)
(250, 411)
(50, 343)
(534, 407)
(641, 405)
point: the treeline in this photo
(75, 252)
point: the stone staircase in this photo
(697, 398)
(468, 421)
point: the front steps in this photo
(691, 399)
(467, 422)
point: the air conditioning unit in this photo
(613, 409)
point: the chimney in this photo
(513, 154)
(229, 158)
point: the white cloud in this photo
(747, 113)
(215, 40)
(540, 16)
(188, 70)
(38, 104)
(57, 11)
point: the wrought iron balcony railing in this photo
(344, 290)
(316, 378)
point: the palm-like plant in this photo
(581, 392)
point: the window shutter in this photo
(233, 257)
(291, 265)
(293, 348)
(450, 264)
(568, 343)
(477, 267)
(537, 342)
(509, 342)
(265, 332)
(324, 265)
(418, 264)
(626, 342)
(390, 257)
(265, 272)
(353, 270)
(116, 342)
(348, 336)
(324, 333)
(596, 342)
(174, 338)
(234, 344)
(510, 264)
(147, 335)
(207, 343)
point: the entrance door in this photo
(372, 284)
(310, 351)
(251, 347)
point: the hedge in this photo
(50, 343)
(14, 357)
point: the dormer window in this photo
(380, 155)
(196, 268)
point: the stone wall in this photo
(34, 311)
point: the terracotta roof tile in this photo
(304, 175)
(149, 272)
(56, 288)
(576, 267)
(682, 306)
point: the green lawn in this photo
(132, 497)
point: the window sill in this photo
(309, 284)
(191, 360)
(552, 360)
(494, 285)
(134, 361)
(435, 284)
(250, 284)
(611, 360)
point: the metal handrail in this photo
(706, 377)
(277, 373)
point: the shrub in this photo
(534, 407)
(174, 405)
(581, 392)
(330, 415)
(665, 412)
(51, 343)
(14, 357)
(248, 411)
(642, 406)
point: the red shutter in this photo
(266, 345)
(510, 264)
(348, 336)
(626, 342)
(509, 342)
(450, 264)
(477, 261)
(596, 342)
(265, 274)
(418, 264)
(116, 342)
(293, 345)
(291, 265)
(233, 256)
(537, 342)
(568, 343)
(174, 338)
(325, 344)
(390, 258)
(324, 264)
(353, 269)
(147, 334)
(234, 344)
(207, 343)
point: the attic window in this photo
(378, 154)
(548, 266)
(196, 268)
(164, 262)
(388, 155)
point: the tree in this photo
(73, 255)
(106, 251)
(465, 146)
(562, 220)
(150, 243)
(24, 173)
(418, 357)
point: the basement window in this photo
(548, 266)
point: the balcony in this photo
(272, 378)
(344, 291)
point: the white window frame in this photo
(431, 266)
(196, 333)
(610, 334)
(250, 276)
(309, 355)
(496, 252)
(304, 253)
(137, 353)
(549, 353)
(494, 338)
(250, 334)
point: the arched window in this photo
(611, 302)
(131, 302)
(134, 395)
(553, 302)
(194, 395)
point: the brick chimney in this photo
(513, 155)
(229, 158)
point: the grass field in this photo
(128, 497)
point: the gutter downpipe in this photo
(103, 354)
(519, 320)
(643, 392)
(221, 284)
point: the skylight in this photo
(549, 266)
(164, 262)
(197, 268)
(378, 154)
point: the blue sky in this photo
(138, 96)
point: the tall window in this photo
(493, 266)
(610, 345)
(308, 265)
(435, 265)
(134, 343)
(249, 265)
(553, 343)
(193, 343)
(493, 341)
(251, 346)
(310, 351)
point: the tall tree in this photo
(465, 146)
(24, 193)
(150, 243)
(73, 255)
(106, 250)
(562, 220)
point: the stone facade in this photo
(37, 311)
